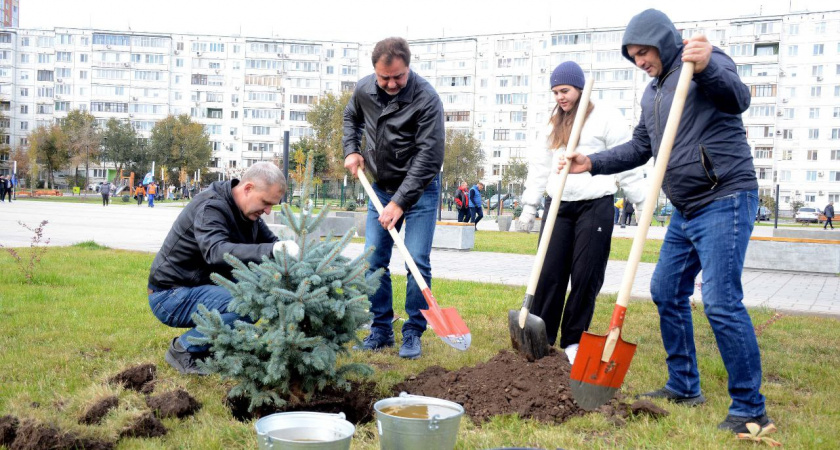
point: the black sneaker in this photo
(377, 340)
(738, 424)
(410, 348)
(184, 361)
(675, 398)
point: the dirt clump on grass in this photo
(509, 384)
(356, 404)
(32, 435)
(98, 411)
(145, 426)
(178, 403)
(8, 429)
(135, 378)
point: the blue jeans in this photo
(713, 240)
(476, 214)
(419, 221)
(175, 307)
(151, 201)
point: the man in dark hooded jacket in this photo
(711, 181)
(223, 219)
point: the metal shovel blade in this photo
(594, 381)
(530, 340)
(446, 323)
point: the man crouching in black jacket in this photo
(225, 218)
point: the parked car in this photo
(807, 214)
(666, 210)
(494, 201)
(762, 214)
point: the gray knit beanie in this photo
(569, 73)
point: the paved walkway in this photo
(128, 226)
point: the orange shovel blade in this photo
(594, 381)
(446, 323)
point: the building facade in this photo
(248, 91)
(9, 14)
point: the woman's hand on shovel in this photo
(579, 163)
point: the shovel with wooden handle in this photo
(527, 331)
(602, 361)
(445, 322)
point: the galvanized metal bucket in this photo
(439, 432)
(304, 431)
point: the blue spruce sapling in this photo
(302, 312)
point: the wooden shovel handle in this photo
(656, 178)
(421, 283)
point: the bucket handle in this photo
(434, 423)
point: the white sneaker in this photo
(571, 351)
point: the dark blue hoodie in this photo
(710, 157)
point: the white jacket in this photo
(602, 130)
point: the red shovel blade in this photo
(446, 323)
(593, 380)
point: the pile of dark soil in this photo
(506, 384)
(178, 403)
(97, 412)
(31, 435)
(136, 378)
(510, 384)
(145, 426)
(356, 404)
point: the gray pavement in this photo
(127, 226)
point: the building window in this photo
(793, 50)
(784, 175)
(764, 152)
(816, 71)
(835, 133)
(818, 49)
(763, 90)
(812, 155)
(835, 155)
(816, 91)
(813, 113)
(787, 134)
(813, 133)
(501, 134)
(811, 175)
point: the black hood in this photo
(653, 28)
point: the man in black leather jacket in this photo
(224, 218)
(401, 116)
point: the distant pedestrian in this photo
(618, 206)
(105, 190)
(150, 193)
(185, 191)
(829, 214)
(140, 194)
(171, 192)
(3, 189)
(627, 218)
(462, 202)
(476, 213)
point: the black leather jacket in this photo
(210, 226)
(404, 138)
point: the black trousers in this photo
(578, 250)
(464, 215)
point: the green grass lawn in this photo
(86, 317)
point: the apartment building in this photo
(9, 13)
(248, 91)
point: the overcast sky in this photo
(369, 21)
